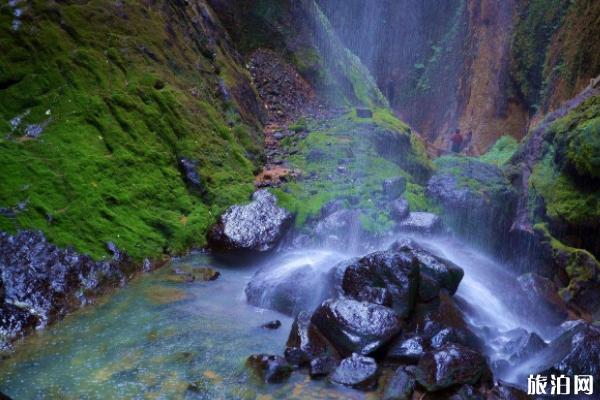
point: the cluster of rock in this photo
(392, 311)
(40, 283)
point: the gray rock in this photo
(257, 226)
(421, 222)
(271, 369)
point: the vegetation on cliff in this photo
(121, 93)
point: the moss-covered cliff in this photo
(121, 92)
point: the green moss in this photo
(340, 161)
(117, 116)
(504, 148)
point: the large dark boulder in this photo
(575, 352)
(447, 274)
(256, 226)
(305, 343)
(269, 368)
(505, 391)
(477, 199)
(386, 277)
(357, 371)
(356, 327)
(423, 223)
(450, 365)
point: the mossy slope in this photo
(123, 90)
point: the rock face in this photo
(356, 327)
(542, 294)
(451, 365)
(253, 227)
(421, 222)
(387, 278)
(271, 369)
(356, 371)
(41, 282)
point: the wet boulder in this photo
(14, 322)
(393, 187)
(256, 226)
(447, 274)
(356, 371)
(575, 352)
(339, 228)
(466, 392)
(356, 327)
(272, 325)
(450, 365)
(405, 349)
(306, 342)
(269, 368)
(400, 386)
(423, 223)
(399, 209)
(387, 278)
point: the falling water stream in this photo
(162, 339)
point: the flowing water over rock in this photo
(191, 340)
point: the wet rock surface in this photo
(253, 227)
(356, 371)
(356, 327)
(448, 366)
(400, 209)
(387, 278)
(42, 283)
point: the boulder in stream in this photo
(385, 277)
(356, 327)
(256, 226)
(306, 342)
(357, 371)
